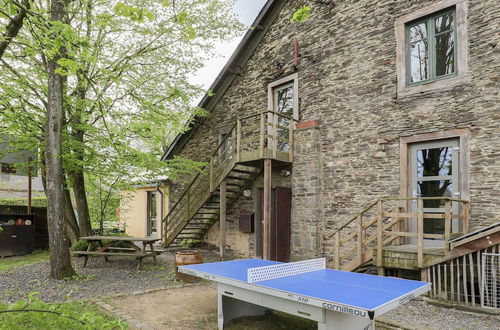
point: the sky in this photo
(246, 11)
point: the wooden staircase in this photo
(239, 178)
(381, 233)
(237, 162)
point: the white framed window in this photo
(432, 48)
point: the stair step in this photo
(239, 178)
(196, 226)
(188, 235)
(228, 184)
(237, 170)
(203, 219)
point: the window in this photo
(432, 48)
(283, 99)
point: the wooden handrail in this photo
(387, 199)
(360, 236)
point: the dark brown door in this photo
(281, 203)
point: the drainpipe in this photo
(161, 210)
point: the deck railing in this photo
(264, 135)
(381, 224)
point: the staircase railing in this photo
(264, 135)
(385, 222)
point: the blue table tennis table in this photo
(335, 299)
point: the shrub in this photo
(190, 243)
(35, 314)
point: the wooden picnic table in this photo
(108, 250)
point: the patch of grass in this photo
(10, 263)
(35, 314)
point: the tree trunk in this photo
(60, 260)
(72, 229)
(77, 175)
(71, 222)
(81, 203)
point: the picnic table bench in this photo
(108, 250)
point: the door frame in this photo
(454, 143)
(462, 134)
(271, 87)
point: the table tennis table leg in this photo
(341, 321)
(230, 308)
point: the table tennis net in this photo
(265, 273)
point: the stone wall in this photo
(347, 81)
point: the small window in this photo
(430, 47)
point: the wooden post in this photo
(445, 279)
(420, 233)
(187, 204)
(275, 134)
(222, 219)
(472, 288)
(238, 141)
(464, 280)
(262, 133)
(397, 225)
(434, 286)
(267, 210)
(360, 239)
(465, 221)
(458, 279)
(479, 275)
(211, 174)
(290, 139)
(337, 249)
(380, 237)
(424, 274)
(452, 280)
(30, 190)
(447, 226)
(438, 280)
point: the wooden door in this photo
(281, 203)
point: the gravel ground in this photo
(418, 314)
(98, 279)
(119, 277)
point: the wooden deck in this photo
(405, 256)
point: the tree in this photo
(60, 261)
(14, 23)
(126, 73)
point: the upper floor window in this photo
(430, 47)
(432, 50)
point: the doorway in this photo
(281, 203)
(434, 171)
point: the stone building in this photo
(389, 98)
